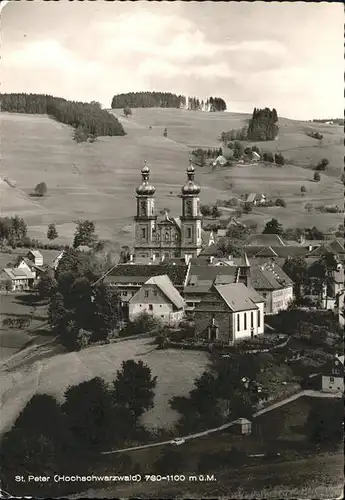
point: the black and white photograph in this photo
(172, 249)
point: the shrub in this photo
(40, 189)
(280, 202)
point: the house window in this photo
(143, 232)
(252, 319)
(155, 293)
(238, 323)
(259, 319)
(146, 293)
(133, 294)
(189, 232)
(245, 321)
(124, 294)
(150, 307)
(331, 379)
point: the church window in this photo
(252, 319)
(143, 232)
(166, 237)
(245, 321)
(238, 322)
(259, 319)
(189, 232)
(143, 208)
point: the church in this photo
(170, 237)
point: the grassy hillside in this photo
(21, 379)
(97, 181)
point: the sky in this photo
(283, 55)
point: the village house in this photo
(274, 285)
(267, 278)
(130, 277)
(228, 313)
(256, 199)
(16, 280)
(159, 298)
(35, 257)
(220, 161)
(332, 376)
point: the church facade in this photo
(170, 237)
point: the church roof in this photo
(238, 297)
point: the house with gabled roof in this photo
(128, 278)
(158, 297)
(266, 240)
(274, 285)
(36, 257)
(331, 378)
(16, 280)
(228, 313)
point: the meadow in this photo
(20, 381)
(97, 181)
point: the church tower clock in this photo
(145, 219)
(191, 242)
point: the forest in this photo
(166, 100)
(148, 100)
(263, 125)
(89, 118)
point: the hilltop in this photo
(97, 181)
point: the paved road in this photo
(269, 408)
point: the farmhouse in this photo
(228, 313)
(256, 199)
(25, 263)
(159, 298)
(274, 285)
(36, 257)
(16, 280)
(130, 277)
(220, 161)
(172, 237)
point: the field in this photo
(54, 374)
(97, 181)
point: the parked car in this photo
(178, 441)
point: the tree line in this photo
(87, 118)
(166, 100)
(148, 100)
(210, 104)
(338, 121)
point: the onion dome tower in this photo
(191, 241)
(145, 219)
